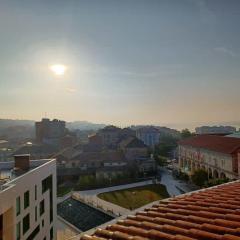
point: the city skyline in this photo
(128, 62)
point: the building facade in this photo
(215, 129)
(50, 131)
(28, 199)
(149, 135)
(218, 155)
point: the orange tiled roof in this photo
(213, 142)
(213, 213)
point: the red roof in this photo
(212, 142)
(213, 213)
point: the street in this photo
(174, 186)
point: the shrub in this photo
(200, 177)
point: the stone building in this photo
(218, 155)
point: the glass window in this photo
(26, 223)
(42, 207)
(35, 213)
(18, 231)
(51, 233)
(35, 192)
(18, 206)
(26, 199)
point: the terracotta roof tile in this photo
(212, 213)
(212, 142)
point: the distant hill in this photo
(6, 123)
(16, 129)
(84, 125)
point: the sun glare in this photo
(58, 69)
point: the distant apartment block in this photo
(215, 129)
(28, 199)
(218, 155)
(50, 132)
(149, 135)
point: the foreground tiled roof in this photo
(213, 142)
(213, 213)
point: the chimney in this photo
(22, 161)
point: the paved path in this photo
(170, 183)
(173, 185)
(114, 188)
(64, 231)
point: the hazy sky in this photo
(128, 61)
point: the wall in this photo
(18, 187)
(195, 158)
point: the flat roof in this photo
(9, 173)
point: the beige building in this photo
(28, 199)
(218, 155)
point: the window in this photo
(35, 213)
(18, 231)
(43, 223)
(18, 206)
(34, 233)
(51, 233)
(26, 199)
(35, 192)
(47, 184)
(26, 223)
(42, 207)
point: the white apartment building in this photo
(28, 199)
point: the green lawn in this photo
(61, 191)
(136, 197)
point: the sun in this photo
(58, 69)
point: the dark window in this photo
(51, 233)
(26, 223)
(47, 185)
(36, 214)
(34, 233)
(42, 207)
(26, 199)
(43, 223)
(35, 192)
(18, 231)
(18, 206)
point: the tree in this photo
(165, 146)
(200, 177)
(185, 133)
(160, 160)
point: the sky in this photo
(128, 61)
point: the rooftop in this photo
(132, 142)
(9, 173)
(212, 213)
(216, 143)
